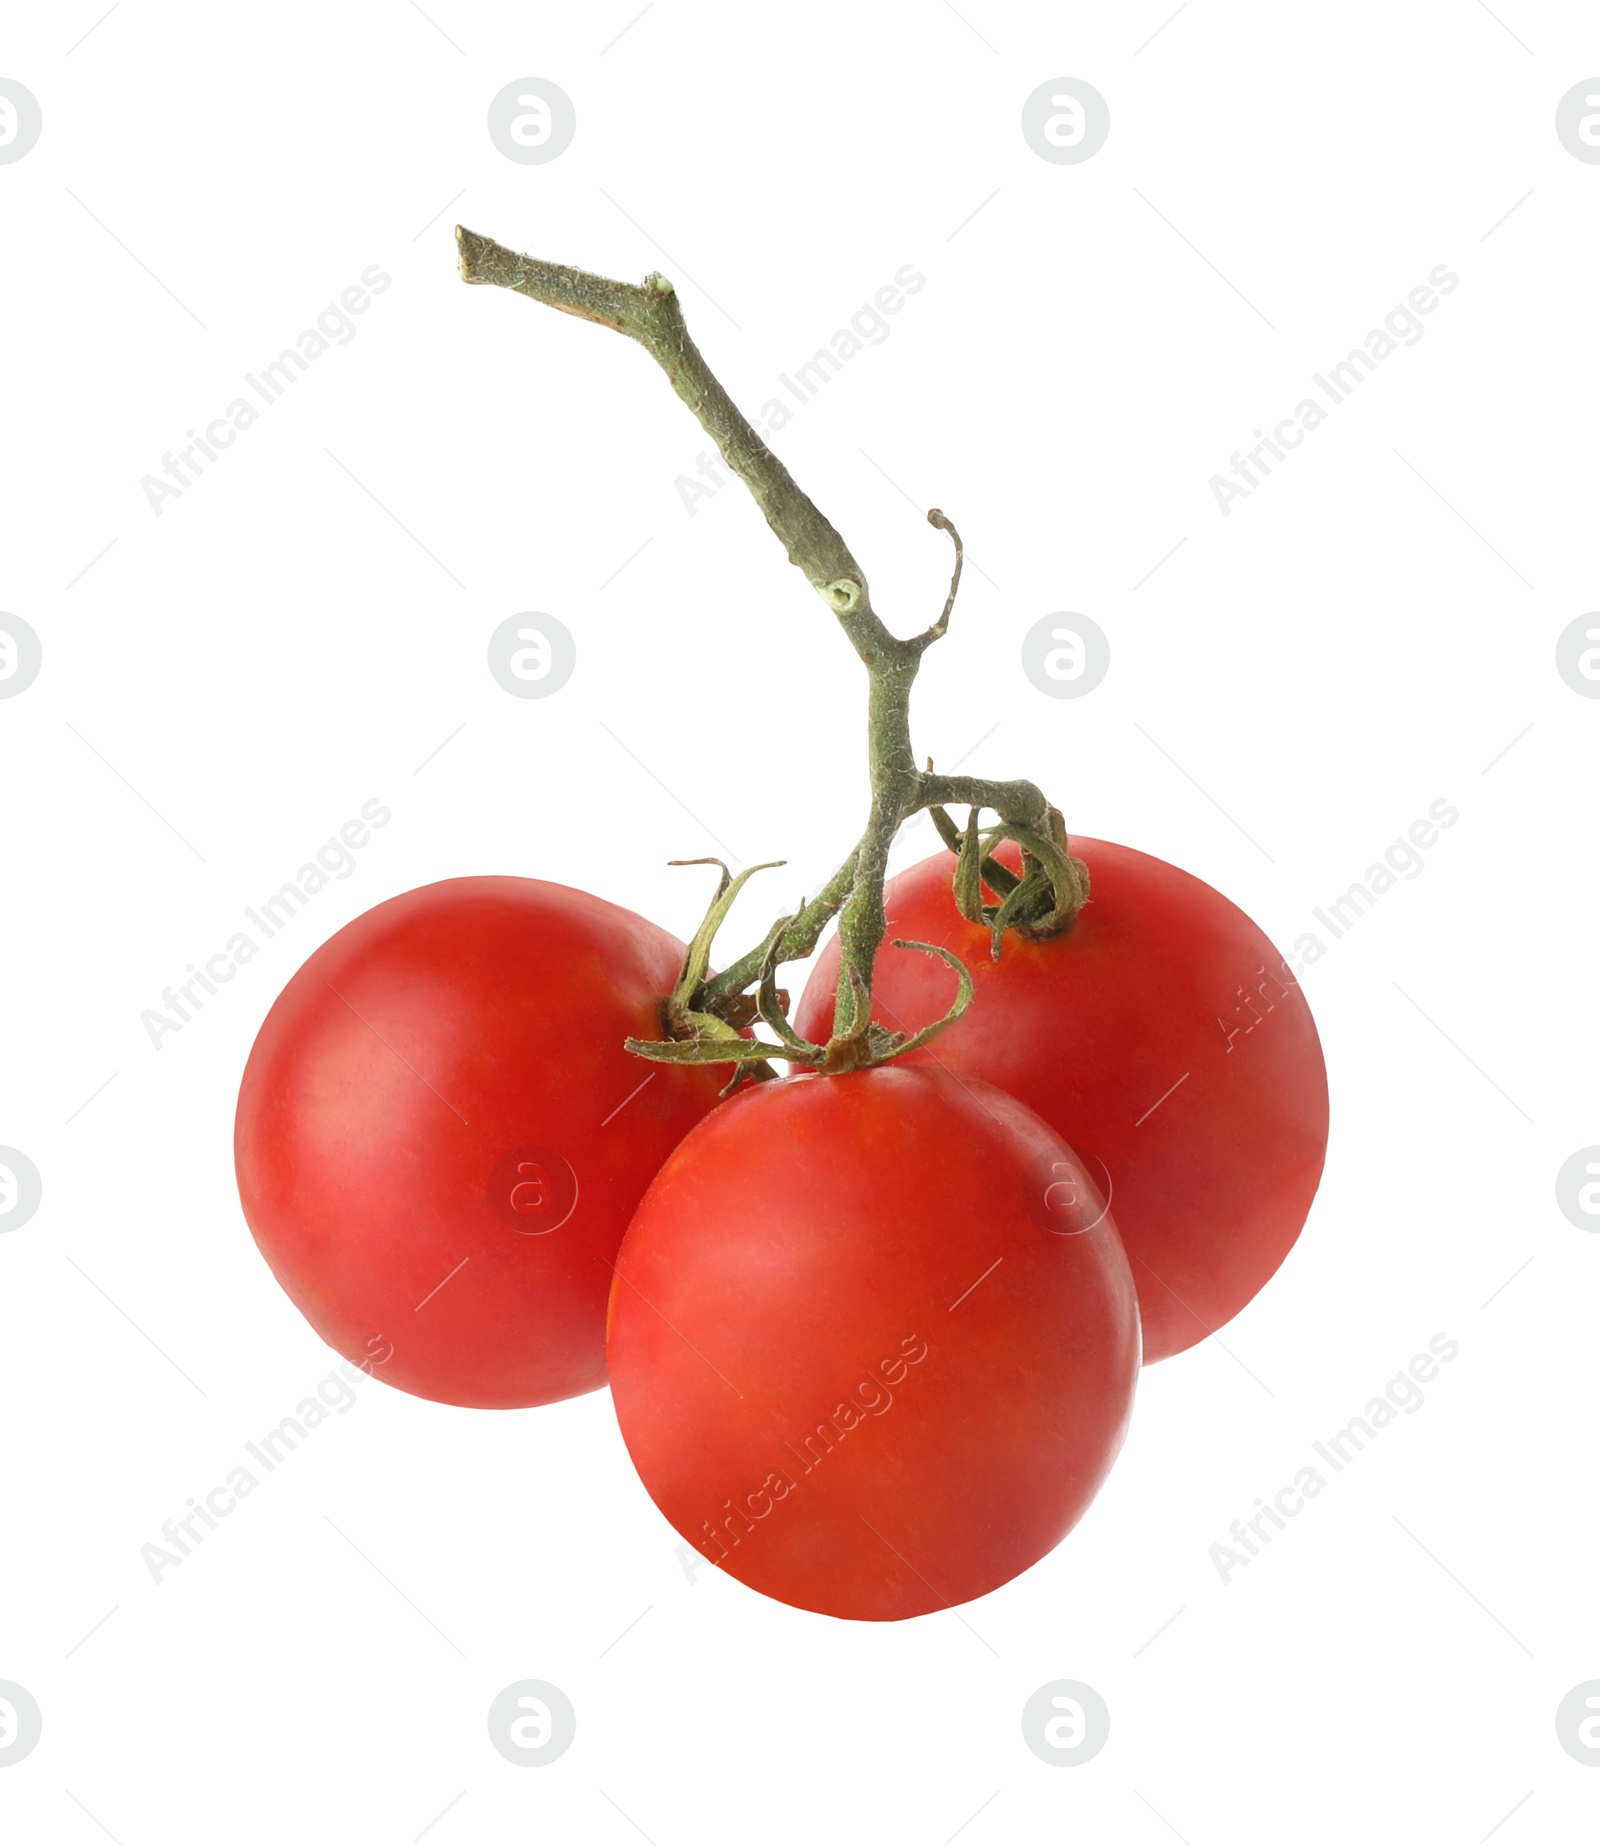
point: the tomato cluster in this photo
(872, 1336)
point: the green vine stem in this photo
(1053, 885)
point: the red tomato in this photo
(1163, 1036)
(855, 1359)
(439, 1143)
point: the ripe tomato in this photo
(856, 1359)
(1163, 1036)
(440, 1138)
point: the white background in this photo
(1362, 636)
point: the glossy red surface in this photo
(440, 1138)
(1162, 1036)
(855, 1363)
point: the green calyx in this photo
(1042, 902)
(701, 1029)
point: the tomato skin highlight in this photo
(851, 1362)
(1204, 1114)
(389, 1094)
